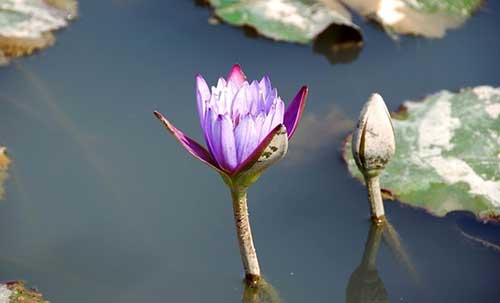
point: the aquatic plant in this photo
(448, 153)
(373, 145)
(246, 129)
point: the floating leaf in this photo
(4, 165)
(26, 25)
(447, 153)
(16, 292)
(288, 20)
(302, 21)
(428, 18)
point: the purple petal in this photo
(278, 115)
(252, 95)
(189, 144)
(246, 138)
(260, 121)
(236, 75)
(266, 125)
(265, 85)
(202, 96)
(210, 117)
(241, 103)
(256, 153)
(294, 111)
(224, 147)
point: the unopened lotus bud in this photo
(373, 142)
(373, 145)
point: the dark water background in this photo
(102, 205)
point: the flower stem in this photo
(375, 197)
(244, 233)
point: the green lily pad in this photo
(26, 25)
(447, 153)
(297, 21)
(302, 21)
(428, 18)
(455, 7)
(4, 165)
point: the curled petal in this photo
(189, 144)
(270, 150)
(294, 111)
(236, 75)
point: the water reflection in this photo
(306, 141)
(43, 93)
(365, 284)
(262, 292)
(339, 44)
(481, 233)
(392, 239)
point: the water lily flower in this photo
(246, 129)
(373, 145)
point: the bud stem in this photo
(244, 233)
(375, 197)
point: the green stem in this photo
(244, 234)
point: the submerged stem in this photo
(375, 197)
(244, 233)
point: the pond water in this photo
(102, 205)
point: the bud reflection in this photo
(365, 284)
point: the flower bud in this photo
(373, 142)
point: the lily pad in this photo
(26, 25)
(4, 165)
(428, 18)
(297, 21)
(17, 292)
(447, 153)
(302, 21)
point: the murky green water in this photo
(102, 205)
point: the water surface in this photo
(102, 205)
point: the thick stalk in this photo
(244, 233)
(375, 198)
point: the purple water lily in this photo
(246, 129)
(238, 120)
